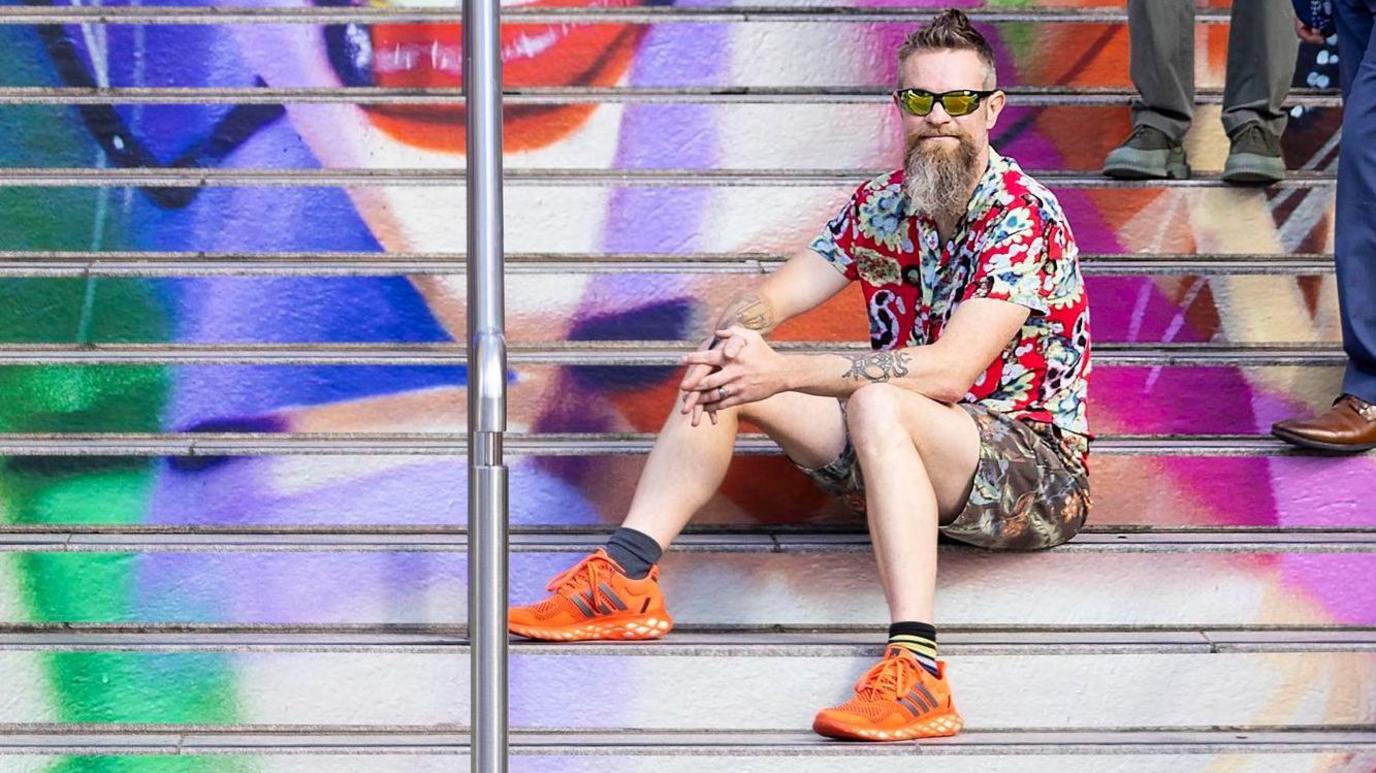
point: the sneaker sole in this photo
(942, 725)
(1251, 178)
(1126, 163)
(632, 628)
(1253, 169)
(1127, 171)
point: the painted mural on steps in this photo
(768, 220)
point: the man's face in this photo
(943, 155)
(937, 72)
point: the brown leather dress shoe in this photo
(1349, 426)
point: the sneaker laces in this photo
(891, 677)
(586, 574)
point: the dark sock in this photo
(635, 551)
(917, 638)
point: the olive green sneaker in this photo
(1254, 157)
(1147, 154)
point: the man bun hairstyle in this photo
(950, 30)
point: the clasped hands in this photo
(734, 367)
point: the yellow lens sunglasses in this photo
(955, 103)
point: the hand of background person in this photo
(749, 370)
(1309, 34)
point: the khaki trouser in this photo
(1261, 63)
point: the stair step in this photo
(1041, 131)
(1132, 493)
(408, 751)
(196, 177)
(561, 539)
(221, 444)
(618, 390)
(875, 92)
(792, 582)
(599, 354)
(1068, 128)
(407, 12)
(661, 691)
(1270, 309)
(1065, 136)
(46, 263)
(1071, 133)
(1108, 216)
(685, 641)
(322, 93)
(367, 480)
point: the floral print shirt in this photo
(1015, 245)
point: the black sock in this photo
(917, 638)
(635, 551)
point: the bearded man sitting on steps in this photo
(967, 418)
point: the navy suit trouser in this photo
(1355, 227)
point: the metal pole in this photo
(487, 478)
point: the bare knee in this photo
(874, 415)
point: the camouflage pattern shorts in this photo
(1030, 491)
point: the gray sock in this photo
(635, 551)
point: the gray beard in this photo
(938, 183)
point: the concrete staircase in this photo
(1216, 615)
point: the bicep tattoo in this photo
(877, 367)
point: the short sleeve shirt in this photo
(1015, 245)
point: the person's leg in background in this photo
(1350, 425)
(1356, 229)
(1262, 47)
(1162, 65)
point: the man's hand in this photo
(749, 370)
(692, 399)
(1308, 34)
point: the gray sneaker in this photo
(1254, 157)
(1147, 154)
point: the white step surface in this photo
(647, 688)
(1199, 581)
(308, 751)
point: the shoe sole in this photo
(1253, 169)
(1132, 164)
(1319, 445)
(615, 628)
(942, 725)
(1128, 171)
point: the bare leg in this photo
(918, 457)
(688, 463)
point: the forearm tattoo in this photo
(877, 367)
(752, 312)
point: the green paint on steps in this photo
(108, 687)
(1020, 39)
(131, 687)
(43, 310)
(150, 764)
(90, 687)
(78, 399)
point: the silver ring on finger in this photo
(722, 393)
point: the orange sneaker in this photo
(897, 700)
(596, 601)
